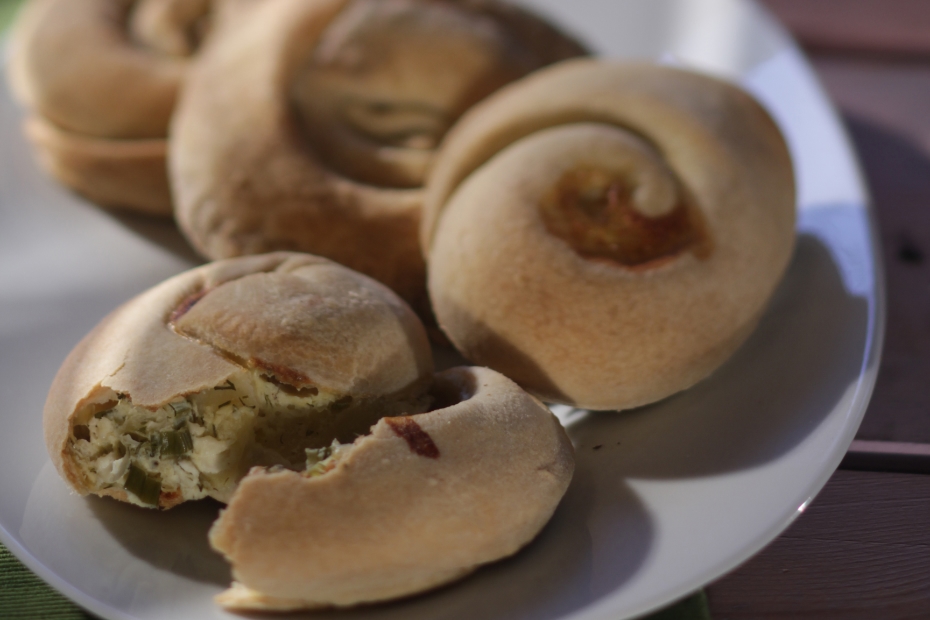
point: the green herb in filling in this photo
(144, 486)
(172, 443)
(181, 408)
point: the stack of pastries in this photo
(596, 233)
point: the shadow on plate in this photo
(806, 354)
(595, 542)
(107, 549)
(174, 540)
(161, 231)
(591, 547)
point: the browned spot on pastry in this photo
(282, 376)
(186, 305)
(593, 211)
(169, 498)
(419, 440)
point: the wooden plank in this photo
(885, 106)
(891, 95)
(888, 456)
(861, 551)
(898, 27)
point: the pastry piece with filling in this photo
(99, 79)
(252, 361)
(310, 125)
(421, 501)
(608, 234)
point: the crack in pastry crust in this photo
(158, 405)
(397, 514)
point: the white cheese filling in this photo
(203, 444)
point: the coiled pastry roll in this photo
(100, 78)
(310, 125)
(607, 234)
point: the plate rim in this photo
(868, 372)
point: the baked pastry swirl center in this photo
(171, 27)
(603, 214)
(389, 77)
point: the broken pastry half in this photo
(257, 361)
(607, 234)
(310, 125)
(99, 79)
(422, 500)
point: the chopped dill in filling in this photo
(202, 445)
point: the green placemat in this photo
(694, 607)
(23, 596)
(7, 11)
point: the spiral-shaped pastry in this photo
(608, 234)
(100, 79)
(321, 141)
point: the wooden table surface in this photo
(862, 548)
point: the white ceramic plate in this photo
(664, 500)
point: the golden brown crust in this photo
(592, 331)
(135, 351)
(100, 79)
(120, 174)
(290, 149)
(75, 66)
(396, 517)
(314, 326)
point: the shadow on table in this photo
(898, 171)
